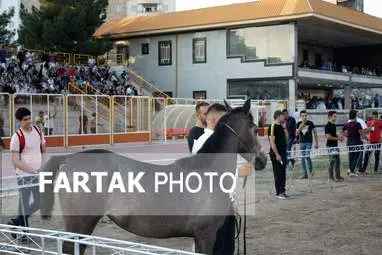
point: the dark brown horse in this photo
(159, 213)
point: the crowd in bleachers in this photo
(337, 102)
(27, 72)
(333, 67)
(321, 103)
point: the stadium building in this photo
(268, 49)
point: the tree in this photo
(6, 35)
(65, 26)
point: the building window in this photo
(148, 8)
(259, 89)
(199, 49)
(164, 53)
(145, 49)
(272, 44)
(200, 94)
(168, 93)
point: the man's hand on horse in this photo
(245, 170)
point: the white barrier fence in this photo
(43, 241)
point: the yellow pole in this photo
(111, 119)
(66, 122)
(149, 119)
(11, 114)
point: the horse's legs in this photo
(205, 241)
(81, 225)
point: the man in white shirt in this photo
(27, 147)
(49, 122)
(225, 240)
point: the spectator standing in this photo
(39, 120)
(83, 124)
(278, 136)
(49, 122)
(27, 147)
(374, 129)
(1, 125)
(198, 130)
(353, 131)
(93, 124)
(332, 144)
(305, 132)
(376, 101)
(291, 127)
(359, 166)
(296, 115)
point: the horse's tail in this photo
(47, 197)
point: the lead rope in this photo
(245, 217)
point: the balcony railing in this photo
(347, 77)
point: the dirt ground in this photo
(319, 217)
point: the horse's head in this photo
(239, 124)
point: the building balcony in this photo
(317, 78)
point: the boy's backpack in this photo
(21, 137)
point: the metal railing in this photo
(44, 241)
(47, 111)
(147, 87)
(6, 116)
(78, 114)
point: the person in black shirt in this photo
(306, 130)
(278, 137)
(195, 132)
(291, 128)
(332, 143)
(354, 133)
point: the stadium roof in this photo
(259, 12)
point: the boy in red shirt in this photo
(375, 128)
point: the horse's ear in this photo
(247, 106)
(229, 108)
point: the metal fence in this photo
(131, 114)
(88, 114)
(47, 111)
(75, 115)
(5, 115)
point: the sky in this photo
(372, 7)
